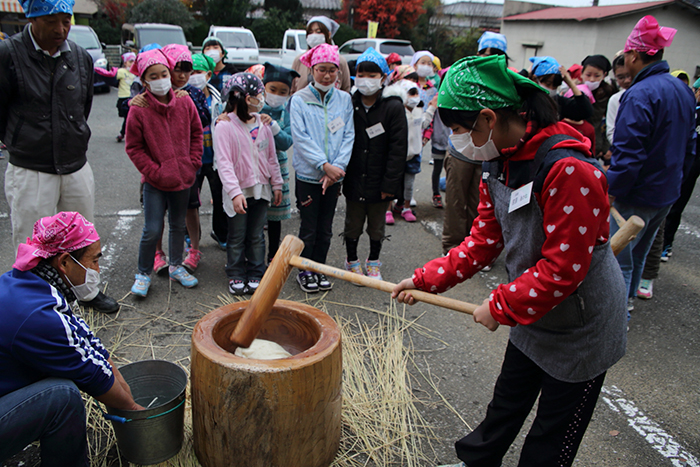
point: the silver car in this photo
(354, 48)
(86, 38)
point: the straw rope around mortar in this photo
(381, 421)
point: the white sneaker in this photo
(413, 203)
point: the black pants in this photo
(219, 220)
(673, 220)
(563, 414)
(316, 211)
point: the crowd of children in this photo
(525, 155)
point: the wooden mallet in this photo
(277, 273)
(628, 230)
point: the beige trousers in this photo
(33, 195)
(461, 200)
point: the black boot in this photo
(102, 303)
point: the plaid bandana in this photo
(476, 83)
(279, 74)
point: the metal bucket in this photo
(153, 435)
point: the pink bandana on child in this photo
(322, 53)
(177, 53)
(648, 37)
(64, 232)
(584, 89)
(147, 59)
(128, 56)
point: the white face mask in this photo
(315, 39)
(199, 80)
(90, 288)
(412, 102)
(214, 54)
(592, 85)
(368, 86)
(324, 87)
(424, 70)
(160, 87)
(260, 105)
(274, 101)
(553, 92)
(464, 144)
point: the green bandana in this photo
(476, 83)
(201, 62)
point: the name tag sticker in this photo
(520, 197)
(264, 144)
(375, 130)
(336, 125)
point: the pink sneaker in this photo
(160, 262)
(408, 215)
(389, 218)
(192, 260)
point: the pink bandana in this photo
(128, 56)
(177, 53)
(323, 53)
(64, 232)
(146, 59)
(648, 37)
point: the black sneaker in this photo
(219, 243)
(323, 282)
(102, 303)
(307, 282)
(237, 287)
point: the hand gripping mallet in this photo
(277, 273)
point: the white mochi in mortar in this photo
(262, 349)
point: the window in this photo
(302, 41)
(290, 45)
(237, 40)
(402, 48)
(85, 38)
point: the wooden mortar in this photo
(267, 413)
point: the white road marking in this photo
(651, 431)
(126, 218)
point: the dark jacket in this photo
(654, 133)
(576, 107)
(377, 164)
(43, 113)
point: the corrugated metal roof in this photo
(584, 13)
(481, 9)
(322, 4)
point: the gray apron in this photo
(586, 333)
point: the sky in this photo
(571, 2)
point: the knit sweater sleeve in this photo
(226, 149)
(136, 147)
(480, 249)
(575, 214)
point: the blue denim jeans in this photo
(155, 203)
(634, 255)
(51, 411)
(245, 244)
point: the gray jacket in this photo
(44, 105)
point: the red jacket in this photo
(165, 142)
(574, 203)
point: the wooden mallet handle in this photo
(267, 292)
(419, 295)
(627, 232)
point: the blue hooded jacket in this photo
(654, 133)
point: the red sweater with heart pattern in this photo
(575, 207)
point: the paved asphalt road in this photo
(649, 414)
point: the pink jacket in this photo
(243, 163)
(165, 142)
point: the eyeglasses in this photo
(326, 71)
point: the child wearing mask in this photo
(323, 132)
(595, 69)
(164, 141)
(375, 171)
(320, 30)
(180, 63)
(558, 258)
(213, 48)
(250, 173)
(124, 79)
(203, 69)
(417, 121)
(278, 82)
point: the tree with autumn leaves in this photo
(393, 16)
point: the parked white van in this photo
(240, 43)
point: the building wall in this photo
(571, 41)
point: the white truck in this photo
(240, 43)
(293, 44)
